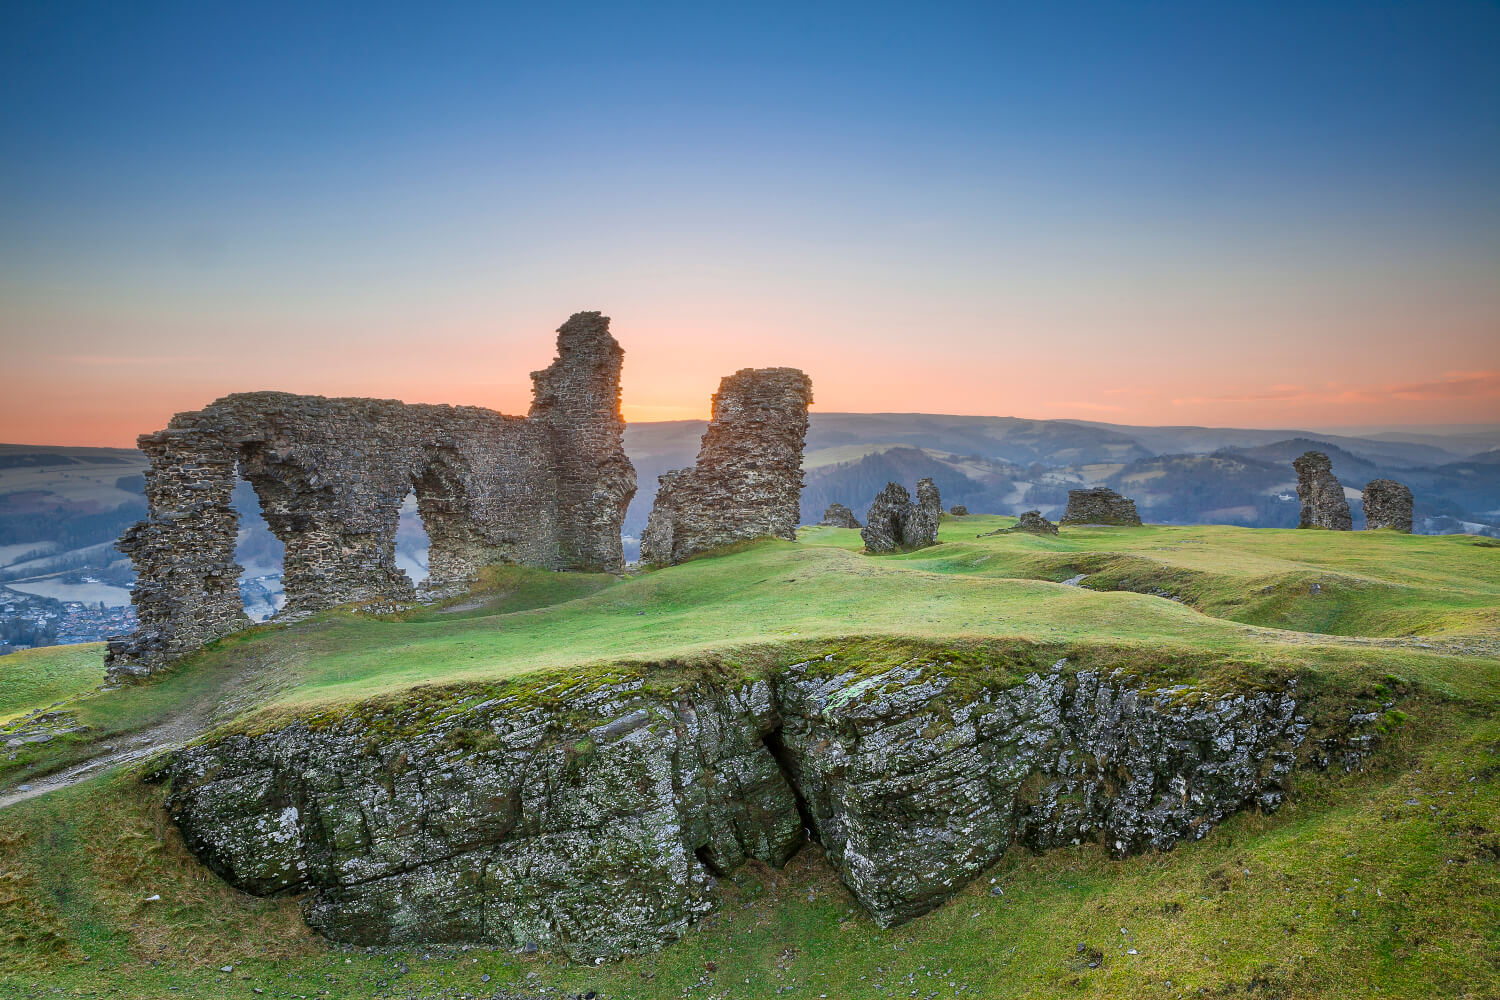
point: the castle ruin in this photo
(1387, 505)
(547, 490)
(1100, 505)
(1323, 502)
(748, 478)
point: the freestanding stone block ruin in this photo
(748, 478)
(547, 490)
(1323, 501)
(1034, 523)
(1387, 505)
(894, 523)
(1100, 506)
(838, 516)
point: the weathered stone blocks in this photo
(1323, 501)
(595, 822)
(1387, 505)
(838, 516)
(894, 523)
(748, 478)
(1100, 505)
(1033, 522)
(331, 475)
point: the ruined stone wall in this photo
(331, 476)
(748, 478)
(1100, 506)
(1387, 505)
(895, 523)
(1323, 501)
(838, 516)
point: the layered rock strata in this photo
(1387, 505)
(1100, 505)
(595, 819)
(838, 516)
(747, 482)
(896, 523)
(1322, 496)
(331, 475)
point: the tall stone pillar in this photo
(577, 398)
(187, 582)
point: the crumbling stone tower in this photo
(748, 478)
(1387, 505)
(331, 474)
(1323, 501)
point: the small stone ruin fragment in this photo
(1033, 522)
(838, 516)
(894, 523)
(1323, 501)
(1387, 505)
(1100, 505)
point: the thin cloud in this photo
(1454, 385)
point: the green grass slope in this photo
(1385, 883)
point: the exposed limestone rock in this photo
(594, 820)
(1323, 502)
(895, 524)
(1387, 505)
(959, 510)
(748, 478)
(331, 475)
(1032, 521)
(838, 516)
(1100, 506)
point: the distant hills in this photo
(1181, 475)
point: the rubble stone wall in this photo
(1100, 506)
(1387, 505)
(1322, 495)
(747, 482)
(331, 475)
(895, 523)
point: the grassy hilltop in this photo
(1383, 883)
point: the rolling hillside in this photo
(1391, 869)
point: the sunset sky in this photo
(1257, 214)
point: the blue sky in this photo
(926, 205)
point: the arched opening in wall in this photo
(412, 543)
(259, 553)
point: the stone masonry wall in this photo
(331, 475)
(1322, 495)
(1387, 505)
(1100, 506)
(748, 478)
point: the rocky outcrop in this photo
(748, 479)
(331, 475)
(594, 817)
(959, 510)
(1033, 522)
(1100, 505)
(896, 524)
(1323, 501)
(1387, 505)
(838, 516)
